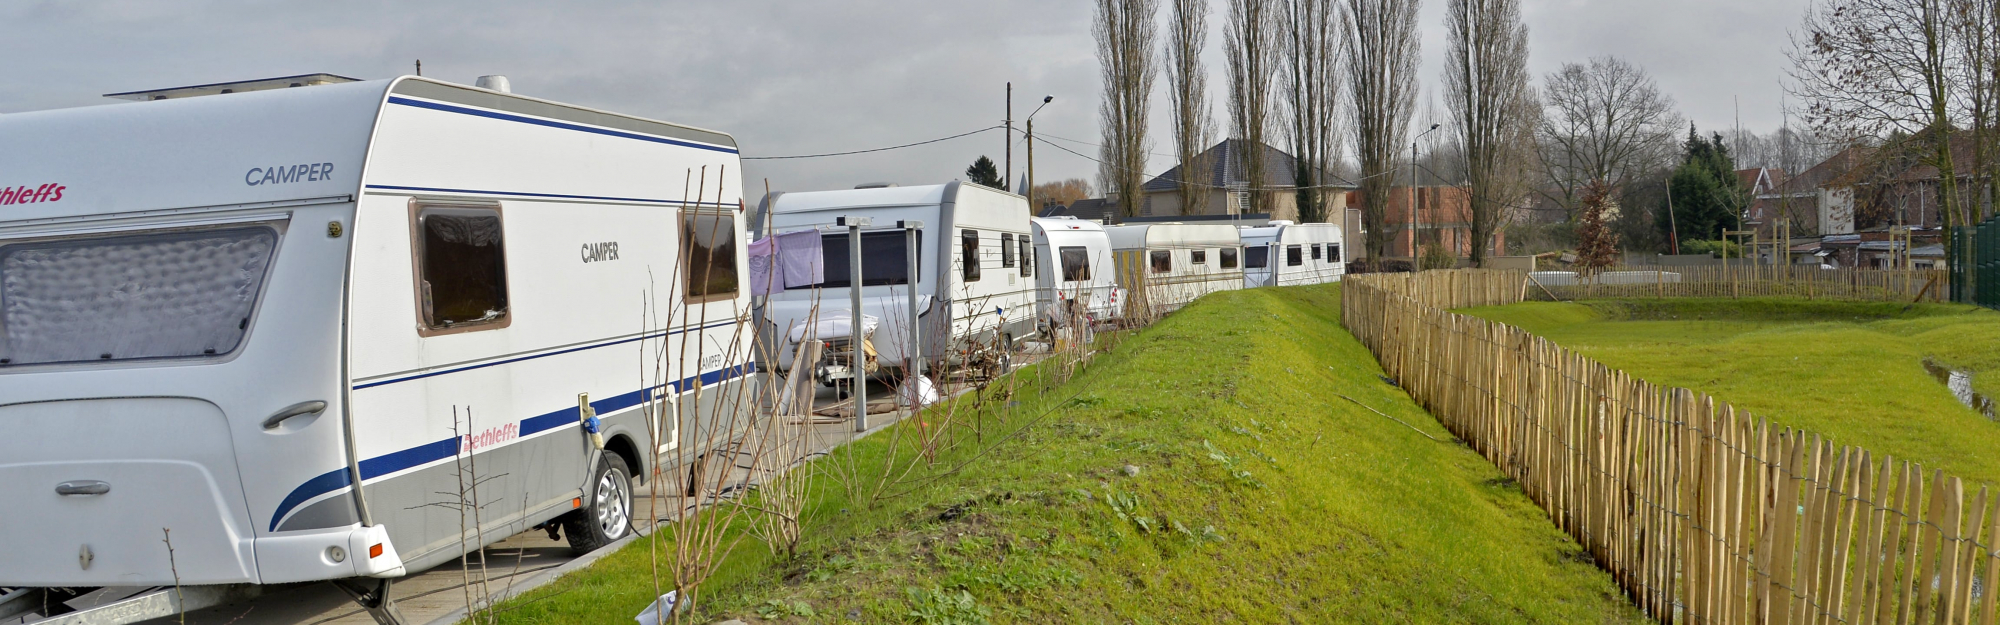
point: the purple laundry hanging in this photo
(764, 281)
(800, 259)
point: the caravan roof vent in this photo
(495, 82)
(875, 185)
(264, 84)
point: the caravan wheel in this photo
(606, 515)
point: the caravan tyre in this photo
(606, 515)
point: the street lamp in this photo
(1031, 154)
(1414, 232)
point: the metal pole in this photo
(854, 317)
(1032, 209)
(915, 350)
(1009, 179)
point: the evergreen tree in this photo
(1707, 198)
(983, 172)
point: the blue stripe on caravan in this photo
(439, 106)
(391, 187)
(432, 452)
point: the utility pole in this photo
(1032, 209)
(1008, 178)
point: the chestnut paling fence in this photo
(1702, 513)
(1747, 279)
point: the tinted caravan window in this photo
(885, 259)
(1163, 261)
(1006, 249)
(1075, 264)
(968, 255)
(1027, 256)
(1294, 255)
(461, 267)
(1256, 257)
(1197, 257)
(708, 243)
(186, 293)
(1315, 251)
(1332, 252)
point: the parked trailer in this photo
(220, 314)
(1287, 254)
(982, 303)
(1078, 277)
(1166, 265)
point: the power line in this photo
(893, 147)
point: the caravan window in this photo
(1075, 263)
(1315, 251)
(1228, 258)
(708, 243)
(1294, 255)
(1027, 256)
(1163, 261)
(1006, 249)
(1256, 257)
(1332, 253)
(968, 255)
(175, 294)
(885, 259)
(1197, 257)
(461, 268)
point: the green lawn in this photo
(1261, 497)
(1852, 371)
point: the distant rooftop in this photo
(262, 84)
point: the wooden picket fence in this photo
(1752, 280)
(1702, 513)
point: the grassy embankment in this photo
(1260, 497)
(1851, 371)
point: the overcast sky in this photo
(804, 77)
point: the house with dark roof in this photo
(1223, 173)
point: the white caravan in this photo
(1166, 265)
(1077, 256)
(978, 235)
(1288, 254)
(220, 314)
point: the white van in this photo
(1079, 274)
(1288, 254)
(227, 311)
(1166, 265)
(978, 235)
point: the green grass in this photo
(1851, 371)
(1261, 497)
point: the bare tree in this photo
(1602, 120)
(1251, 49)
(1187, 93)
(1312, 33)
(1976, 30)
(1868, 68)
(1064, 192)
(1124, 30)
(1382, 51)
(1486, 79)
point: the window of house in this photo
(461, 267)
(1006, 249)
(1315, 251)
(1256, 257)
(172, 294)
(1295, 255)
(885, 259)
(1228, 257)
(1163, 261)
(708, 242)
(1027, 256)
(1197, 257)
(1075, 264)
(968, 255)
